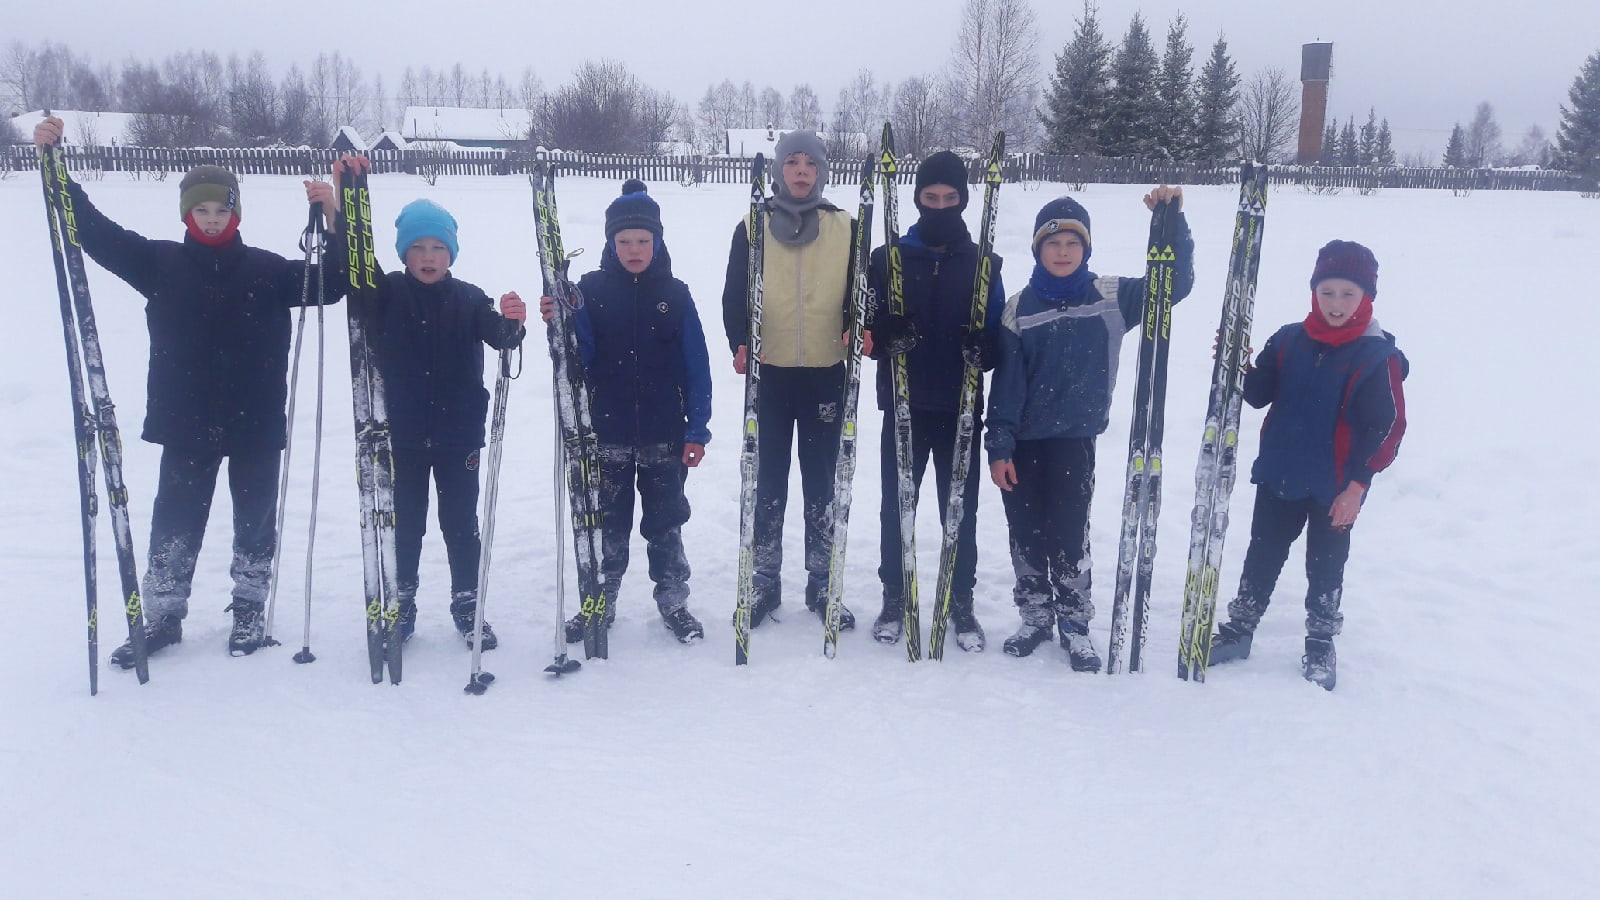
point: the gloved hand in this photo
(893, 336)
(979, 351)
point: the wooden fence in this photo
(1027, 167)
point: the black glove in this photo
(893, 336)
(978, 351)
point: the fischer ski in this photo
(967, 410)
(844, 475)
(1141, 500)
(581, 449)
(755, 231)
(374, 453)
(1219, 443)
(93, 414)
(888, 169)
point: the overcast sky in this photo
(1424, 64)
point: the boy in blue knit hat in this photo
(1051, 397)
(644, 355)
(430, 329)
(1338, 414)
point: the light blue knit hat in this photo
(424, 219)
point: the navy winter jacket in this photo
(644, 354)
(430, 340)
(937, 287)
(1338, 413)
(219, 333)
(1058, 360)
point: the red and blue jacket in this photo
(1337, 416)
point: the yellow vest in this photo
(803, 293)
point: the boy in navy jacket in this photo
(649, 373)
(1334, 382)
(218, 313)
(1050, 399)
(430, 329)
(939, 263)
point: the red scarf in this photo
(221, 240)
(1320, 331)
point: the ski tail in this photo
(1141, 492)
(967, 408)
(755, 230)
(900, 381)
(844, 474)
(1216, 469)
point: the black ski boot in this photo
(890, 626)
(764, 605)
(817, 602)
(248, 628)
(406, 619)
(1231, 642)
(969, 634)
(1080, 652)
(159, 632)
(1320, 664)
(463, 607)
(1028, 638)
(574, 626)
(682, 623)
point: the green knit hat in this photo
(204, 183)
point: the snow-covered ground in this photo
(1454, 759)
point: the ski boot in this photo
(463, 607)
(1320, 664)
(159, 632)
(248, 628)
(1231, 642)
(682, 623)
(1080, 652)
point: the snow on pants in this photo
(1274, 527)
(804, 400)
(933, 434)
(1048, 515)
(178, 525)
(659, 473)
(455, 476)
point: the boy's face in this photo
(428, 260)
(211, 217)
(799, 174)
(635, 247)
(938, 196)
(1337, 300)
(1061, 253)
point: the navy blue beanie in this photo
(424, 219)
(1061, 214)
(1348, 260)
(634, 209)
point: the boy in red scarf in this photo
(1338, 414)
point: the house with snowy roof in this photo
(467, 127)
(82, 128)
(349, 140)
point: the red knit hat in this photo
(1348, 260)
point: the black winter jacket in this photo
(219, 333)
(430, 340)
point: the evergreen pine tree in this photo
(1176, 90)
(1369, 138)
(1216, 130)
(1455, 152)
(1349, 146)
(1578, 140)
(1383, 154)
(1076, 104)
(1135, 114)
(1330, 146)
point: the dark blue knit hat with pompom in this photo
(1348, 260)
(634, 209)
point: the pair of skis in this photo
(374, 452)
(580, 446)
(94, 418)
(1219, 444)
(1141, 498)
